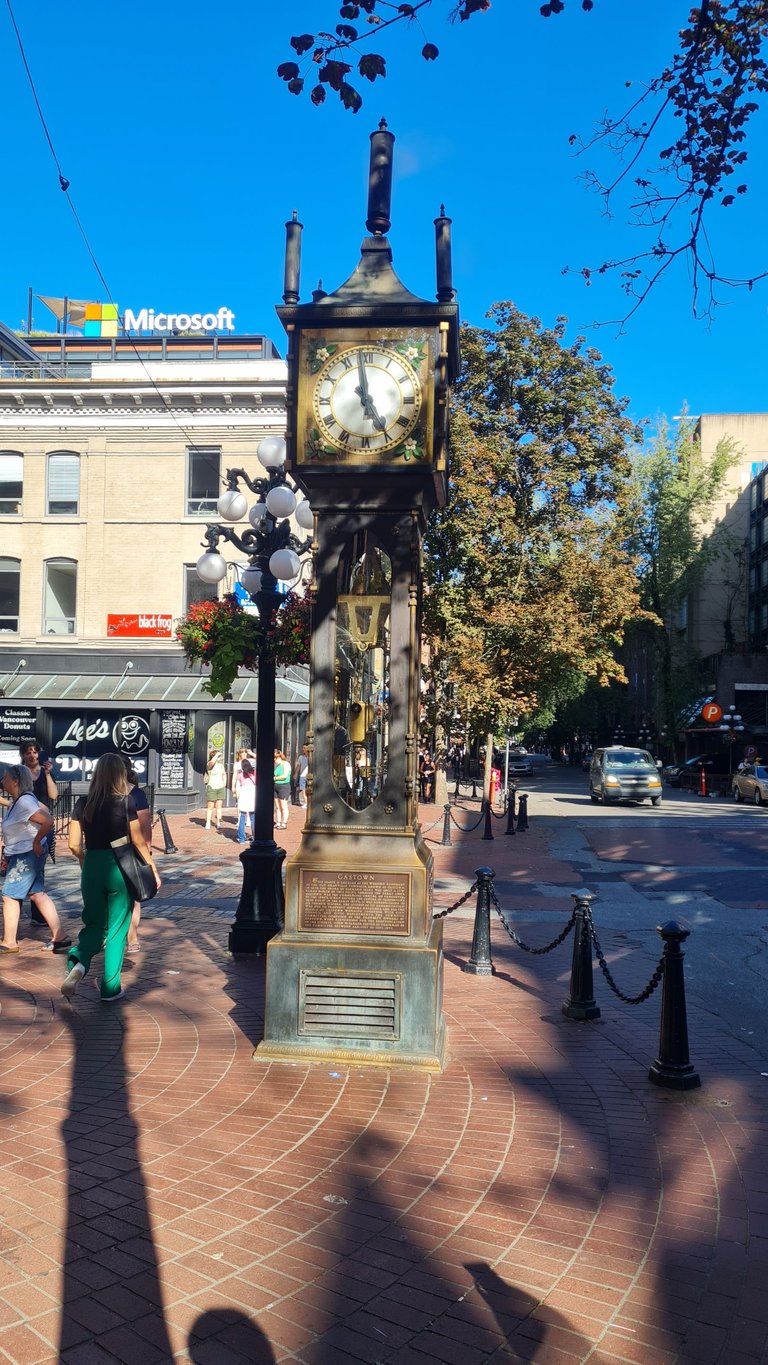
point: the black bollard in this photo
(446, 839)
(488, 829)
(581, 995)
(672, 1067)
(170, 846)
(480, 963)
(511, 811)
(522, 815)
(456, 793)
(474, 788)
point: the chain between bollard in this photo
(537, 952)
(467, 829)
(605, 969)
(429, 828)
(441, 914)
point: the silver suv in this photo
(622, 774)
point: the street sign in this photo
(712, 712)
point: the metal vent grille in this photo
(336, 1005)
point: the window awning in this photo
(155, 690)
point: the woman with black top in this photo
(145, 825)
(107, 813)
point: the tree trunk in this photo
(487, 768)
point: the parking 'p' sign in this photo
(712, 712)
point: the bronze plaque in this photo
(355, 902)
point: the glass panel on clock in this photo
(361, 702)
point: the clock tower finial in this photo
(380, 181)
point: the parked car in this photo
(688, 774)
(750, 783)
(619, 773)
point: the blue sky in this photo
(186, 155)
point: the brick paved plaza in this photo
(168, 1198)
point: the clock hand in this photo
(362, 391)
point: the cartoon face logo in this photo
(131, 735)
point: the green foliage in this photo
(529, 579)
(673, 489)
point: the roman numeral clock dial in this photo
(366, 398)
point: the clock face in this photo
(366, 398)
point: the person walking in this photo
(282, 789)
(246, 799)
(25, 847)
(106, 814)
(300, 775)
(44, 788)
(144, 815)
(215, 787)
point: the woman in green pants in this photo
(107, 903)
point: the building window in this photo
(11, 483)
(754, 493)
(59, 596)
(195, 590)
(203, 480)
(63, 484)
(764, 616)
(10, 573)
(764, 574)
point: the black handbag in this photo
(137, 875)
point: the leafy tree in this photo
(674, 487)
(529, 579)
(677, 150)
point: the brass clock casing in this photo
(365, 396)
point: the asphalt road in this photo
(700, 861)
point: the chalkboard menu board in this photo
(173, 748)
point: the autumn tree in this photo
(676, 152)
(674, 488)
(529, 578)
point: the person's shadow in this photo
(222, 1328)
(111, 1286)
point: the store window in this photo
(59, 596)
(11, 483)
(195, 590)
(79, 738)
(63, 495)
(10, 575)
(204, 486)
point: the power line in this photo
(64, 185)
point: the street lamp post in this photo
(273, 553)
(730, 729)
(644, 736)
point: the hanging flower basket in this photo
(229, 639)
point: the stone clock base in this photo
(355, 1002)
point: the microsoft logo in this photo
(101, 320)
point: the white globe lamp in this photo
(257, 514)
(281, 501)
(285, 565)
(271, 452)
(232, 506)
(305, 516)
(211, 567)
(251, 580)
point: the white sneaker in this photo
(72, 980)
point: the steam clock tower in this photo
(356, 972)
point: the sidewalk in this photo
(168, 1198)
